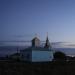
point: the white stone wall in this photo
(40, 56)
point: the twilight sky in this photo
(22, 19)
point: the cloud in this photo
(57, 44)
(2, 43)
(53, 44)
(63, 45)
(71, 45)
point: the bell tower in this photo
(35, 41)
(47, 44)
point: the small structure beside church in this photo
(35, 53)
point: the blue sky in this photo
(22, 19)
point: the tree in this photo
(59, 56)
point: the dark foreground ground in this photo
(49, 68)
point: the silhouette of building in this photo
(35, 53)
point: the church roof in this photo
(47, 46)
(36, 49)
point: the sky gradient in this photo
(22, 19)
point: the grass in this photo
(44, 68)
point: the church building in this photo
(35, 53)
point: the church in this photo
(35, 53)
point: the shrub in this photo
(59, 56)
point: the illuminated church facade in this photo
(35, 53)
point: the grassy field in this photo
(46, 68)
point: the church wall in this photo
(40, 56)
